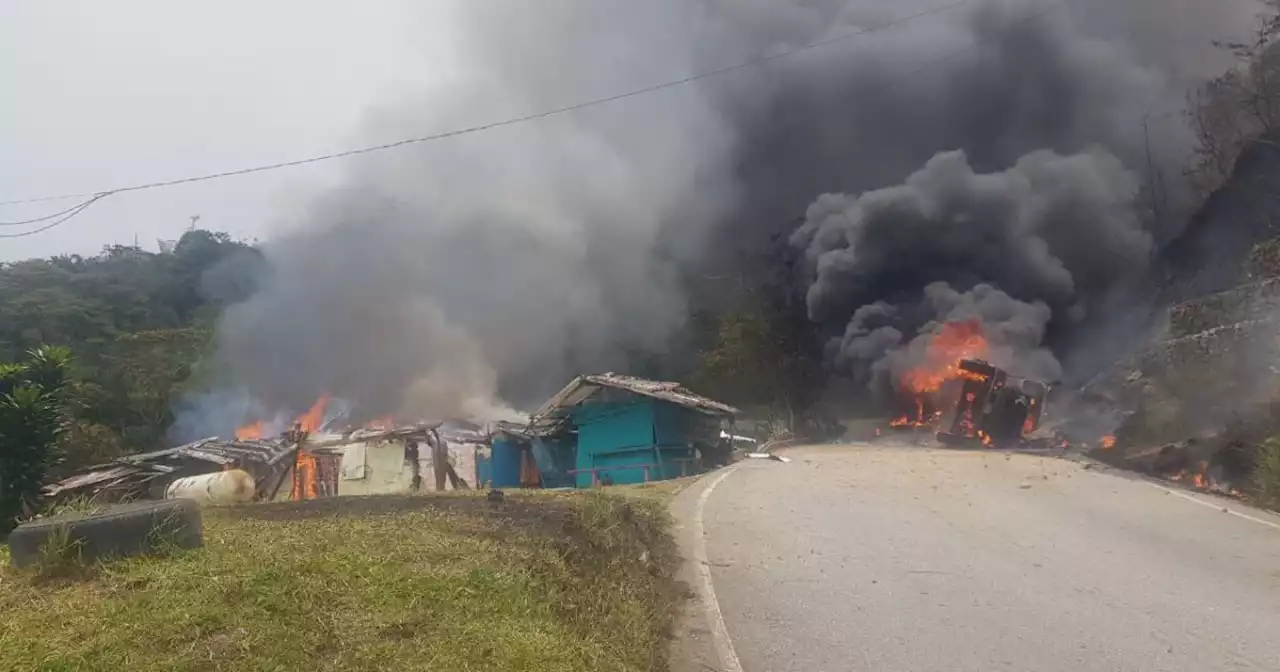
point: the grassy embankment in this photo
(571, 582)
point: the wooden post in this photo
(439, 458)
(455, 480)
(297, 437)
(284, 473)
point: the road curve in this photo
(914, 560)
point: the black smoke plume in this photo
(453, 277)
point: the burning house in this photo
(309, 458)
(598, 430)
(268, 464)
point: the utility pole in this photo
(194, 219)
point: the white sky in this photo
(102, 93)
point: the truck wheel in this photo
(121, 530)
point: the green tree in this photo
(31, 418)
(138, 322)
(753, 362)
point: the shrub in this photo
(1266, 475)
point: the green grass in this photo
(573, 582)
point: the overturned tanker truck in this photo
(985, 405)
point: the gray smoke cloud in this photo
(477, 271)
(876, 350)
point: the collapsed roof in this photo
(551, 416)
(133, 471)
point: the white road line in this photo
(715, 619)
(1214, 505)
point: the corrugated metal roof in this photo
(582, 388)
(145, 466)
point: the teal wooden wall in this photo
(619, 438)
(555, 459)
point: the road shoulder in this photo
(699, 643)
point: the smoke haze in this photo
(473, 272)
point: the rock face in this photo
(1219, 359)
(1254, 302)
(1205, 391)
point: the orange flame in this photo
(312, 420)
(1198, 478)
(954, 342)
(249, 432)
(385, 423)
(305, 479)
(1107, 442)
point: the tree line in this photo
(125, 332)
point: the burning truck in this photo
(986, 404)
(953, 391)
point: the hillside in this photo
(136, 323)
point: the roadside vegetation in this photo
(31, 412)
(137, 325)
(1266, 475)
(571, 582)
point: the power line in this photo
(1051, 6)
(47, 217)
(752, 62)
(69, 214)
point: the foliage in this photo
(138, 323)
(1266, 474)
(1264, 260)
(31, 418)
(1239, 107)
(766, 355)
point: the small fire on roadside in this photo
(1197, 477)
(1107, 442)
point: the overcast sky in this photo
(107, 93)
(99, 94)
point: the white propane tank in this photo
(224, 487)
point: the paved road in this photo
(913, 560)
